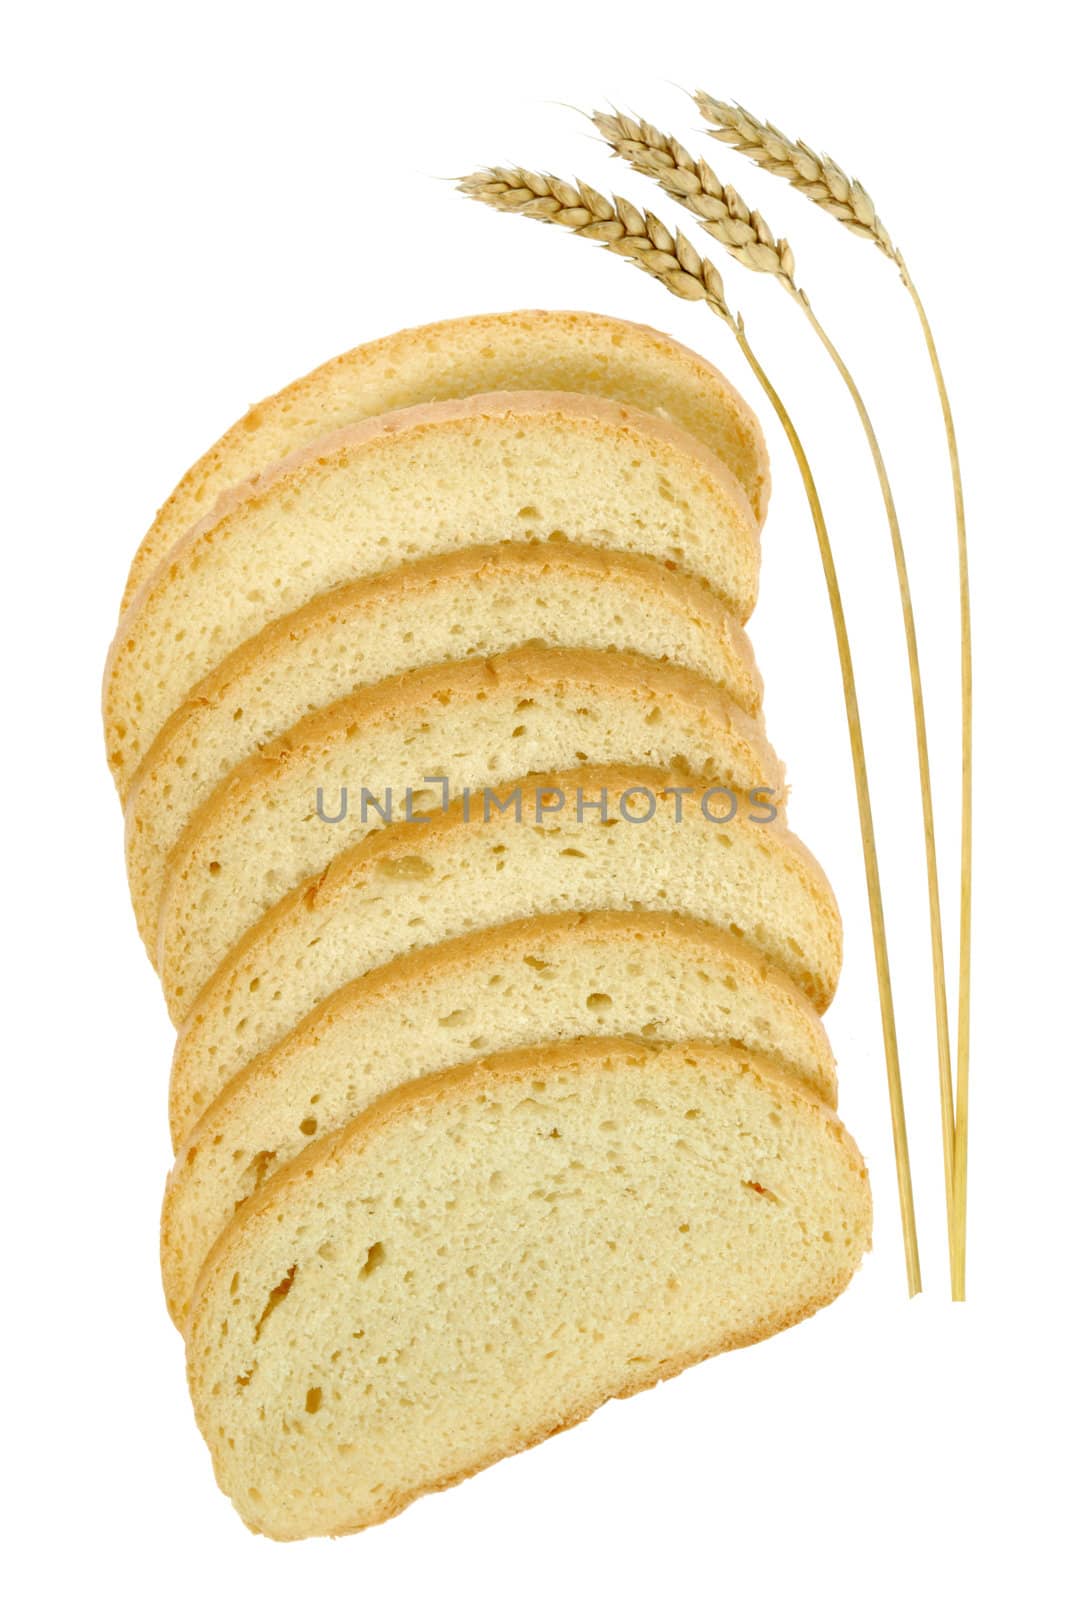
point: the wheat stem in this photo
(867, 830)
(935, 918)
(827, 185)
(747, 237)
(965, 924)
(575, 206)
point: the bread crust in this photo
(464, 1082)
(177, 513)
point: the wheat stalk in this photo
(824, 182)
(575, 206)
(748, 238)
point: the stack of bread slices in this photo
(456, 839)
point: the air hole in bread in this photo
(275, 1299)
(410, 867)
(758, 1188)
(313, 1400)
(374, 1257)
(255, 1174)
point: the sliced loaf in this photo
(488, 1254)
(641, 974)
(408, 886)
(284, 814)
(522, 467)
(577, 351)
(475, 602)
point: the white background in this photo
(206, 201)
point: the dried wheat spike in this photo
(617, 225)
(819, 178)
(692, 182)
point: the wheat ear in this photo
(584, 211)
(748, 238)
(824, 182)
(639, 237)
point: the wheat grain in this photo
(639, 237)
(690, 181)
(819, 178)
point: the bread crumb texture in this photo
(407, 887)
(405, 487)
(640, 974)
(476, 724)
(469, 603)
(488, 1254)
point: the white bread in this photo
(407, 887)
(522, 467)
(488, 1254)
(475, 723)
(637, 974)
(476, 602)
(578, 351)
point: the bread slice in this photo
(476, 602)
(575, 974)
(488, 1254)
(578, 351)
(284, 814)
(522, 467)
(407, 887)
